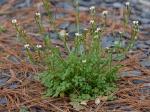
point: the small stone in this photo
(13, 59)
(141, 45)
(82, 8)
(86, 3)
(72, 30)
(64, 25)
(13, 85)
(107, 41)
(3, 79)
(131, 73)
(53, 35)
(147, 84)
(147, 42)
(2, 2)
(138, 81)
(23, 3)
(145, 63)
(59, 15)
(145, 90)
(3, 100)
(126, 109)
(65, 5)
(145, 2)
(117, 5)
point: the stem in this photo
(110, 61)
(49, 12)
(126, 16)
(77, 16)
(134, 34)
(39, 23)
(65, 44)
(21, 33)
(105, 20)
(29, 54)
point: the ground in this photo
(17, 85)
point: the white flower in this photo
(97, 30)
(91, 21)
(92, 8)
(135, 37)
(136, 22)
(39, 46)
(14, 21)
(127, 3)
(63, 33)
(120, 32)
(105, 13)
(85, 29)
(131, 51)
(37, 14)
(107, 48)
(78, 34)
(97, 101)
(26, 46)
(83, 61)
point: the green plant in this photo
(77, 15)
(126, 14)
(2, 29)
(83, 71)
(23, 109)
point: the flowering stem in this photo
(39, 54)
(134, 34)
(22, 34)
(105, 21)
(110, 61)
(76, 44)
(39, 23)
(29, 54)
(77, 15)
(126, 14)
(49, 12)
(65, 44)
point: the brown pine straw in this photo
(29, 92)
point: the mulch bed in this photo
(29, 92)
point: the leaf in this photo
(77, 106)
(104, 98)
(23, 109)
(84, 103)
(119, 57)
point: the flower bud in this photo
(14, 21)
(26, 46)
(78, 34)
(105, 13)
(92, 8)
(39, 46)
(127, 4)
(37, 14)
